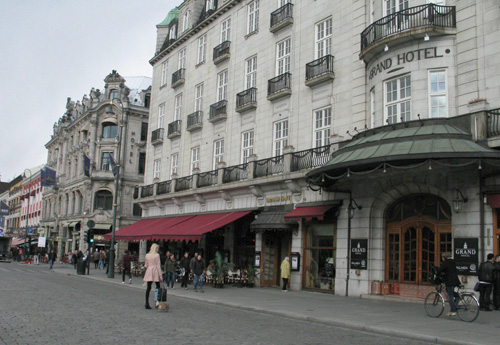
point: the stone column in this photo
(251, 166)
(287, 159)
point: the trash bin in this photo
(80, 267)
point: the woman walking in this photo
(153, 270)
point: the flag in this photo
(48, 177)
(86, 165)
(114, 166)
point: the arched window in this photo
(103, 200)
(109, 130)
(113, 93)
(173, 31)
(185, 22)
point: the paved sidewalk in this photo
(381, 316)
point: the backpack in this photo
(434, 276)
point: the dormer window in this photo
(210, 5)
(172, 35)
(185, 21)
(147, 100)
(109, 130)
(113, 93)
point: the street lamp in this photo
(27, 210)
(109, 111)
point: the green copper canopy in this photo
(172, 15)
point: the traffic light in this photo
(91, 236)
(86, 237)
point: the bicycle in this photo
(466, 303)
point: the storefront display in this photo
(319, 256)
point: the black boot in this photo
(147, 306)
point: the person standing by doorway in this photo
(152, 263)
(285, 273)
(448, 270)
(486, 280)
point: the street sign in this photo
(30, 231)
(90, 223)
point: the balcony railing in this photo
(218, 111)
(194, 120)
(319, 70)
(430, 15)
(163, 187)
(493, 123)
(282, 17)
(269, 166)
(174, 129)
(311, 158)
(222, 52)
(147, 191)
(235, 173)
(246, 100)
(184, 183)
(157, 136)
(279, 86)
(178, 77)
(208, 178)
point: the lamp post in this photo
(111, 267)
(26, 247)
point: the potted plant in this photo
(219, 269)
(376, 287)
(251, 273)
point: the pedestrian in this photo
(496, 288)
(126, 261)
(285, 273)
(96, 256)
(36, 257)
(106, 261)
(191, 263)
(101, 259)
(486, 280)
(75, 259)
(52, 258)
(184, 270)
(198, 269)
(448, 270)
(152, 263)
(170, 265)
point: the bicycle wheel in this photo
(434, 304)
(467, 308)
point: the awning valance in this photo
(493, 200)
(308, 212)
(272, 220)
(102, 226)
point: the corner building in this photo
(365, 127)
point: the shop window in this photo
(320, 252)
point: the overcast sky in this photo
(54, 49)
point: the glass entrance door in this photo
(419, 251)
(269, 264)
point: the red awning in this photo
(308, 213)
(17, 241)
(493, 200)
(193, 228)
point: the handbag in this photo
(476, 287)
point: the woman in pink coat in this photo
(153, 270)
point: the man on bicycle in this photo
(448, 270)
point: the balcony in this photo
(163, 187)
(174, 129)
(222, 52)
(157, 136)
(208, 178)
(218, 111)
(194, 121)
(147, 191)
(178, 77)
(282, 17)
(279, 86)
(184, 183)
(320, 70)
(246, 100)
(414, 22)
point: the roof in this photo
(172, 15)
(136, 85)
(272, 220)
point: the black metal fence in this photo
(157, 134)
(208, 178)
(235, 173)
(184, 183)
(281, 14)
(246, 97)
(269, 166)
(222, 49)
(319, 66)
(194, 119)
(163, 187)
(311, 158)
(218, 109)
(493, 122)
(147, 191)
(178, 75)
(174, 127)
(279, 83)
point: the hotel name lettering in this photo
(401, 59)
(278, 198)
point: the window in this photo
(282, 3)
(320, 251)
(156, 168)
(173, 32)
(280, 139)
(253, 16)
(372, 108)
(397, 99)
(218, 152)
(437, 94)
(225, 30)
(185, 21)
(113, 93)
(222, 86)
(182, 58)
(283, 57)
(142, 163)
(144, 131)
(161, 115)
(106, 160)
(198, 98)
(174, 164)
(246, 145)
(202, 49)
(251, 72)
(164, 67)
(178, 107)
(109, 130)
(322, 123)
(324, 38)
(103, 200)
(195, 158)
(210, 5)
(392, 6)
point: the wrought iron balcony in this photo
(222, 52)
(174, 129)
(319, 70)
(493, 123)
(246, 100)
(163, 187)
(311, 158)
(195, 121)
(184, 183)
(157, 136)
(178, 77)
(415, 21)
(282, 17)
(279, 86)
(147, 191)
(218, 111)
(208, 178)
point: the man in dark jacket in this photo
(486, 280)
(448, 270)
(496, 291)
(185, 270)
(126, 265)
(198, 268)
(52, 258)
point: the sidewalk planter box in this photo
(376, 288)
(395, 289)
(386, 289)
